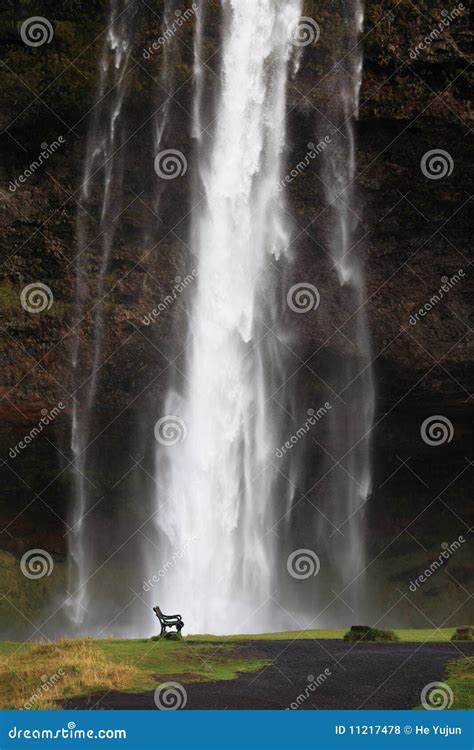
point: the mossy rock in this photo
(464, 633)
(367, 634)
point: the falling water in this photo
(352, 421)
(198, 70)
(102, 177)
(221, 501)
(165, 75)
(218, 502)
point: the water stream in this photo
(220, 496)
(345, 545)
(103, 175)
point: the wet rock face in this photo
(412, 237)
(413, 230)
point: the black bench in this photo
(168, 621)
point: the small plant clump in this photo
(464, 633)
(365, 633)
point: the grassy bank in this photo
(407, 636)
(38, 675)
(461, 681)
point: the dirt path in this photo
(363, 675)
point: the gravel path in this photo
(362, 675)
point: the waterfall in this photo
(224, 517)
(198, 70)
(351, 421)
(219, 497)
(102, 180)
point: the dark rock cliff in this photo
(412, 236)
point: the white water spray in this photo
(219, 481)
(103, 171)
(351, 423)
(220, 495)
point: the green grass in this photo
(460, 678)
(84, 667)
(429, 635)
(136, 666)
(461, 681)
(198, 661)
(372, 635)
(407, 636)
(24, 595)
